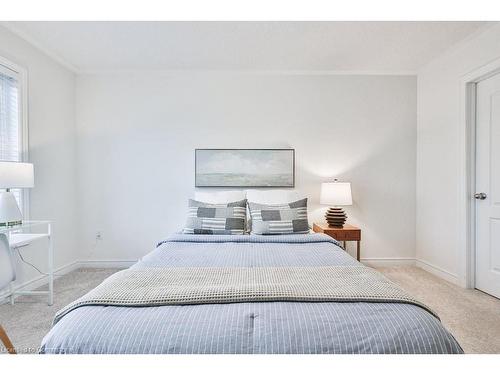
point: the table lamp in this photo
(336, 194)
(13, 175)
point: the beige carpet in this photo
(30, 318)
(472, 316)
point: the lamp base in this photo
(11, 224)
(10, 214)
(336, 217)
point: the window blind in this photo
(10, 127)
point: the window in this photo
(12, 121)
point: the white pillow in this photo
(274, 196)
(220, 197)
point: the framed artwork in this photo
(244, 168)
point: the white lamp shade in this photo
(14, 175)
(336, 193)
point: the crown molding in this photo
(9, 25)
(53, 55)
(460, 44)
(289, 72)
(284, 72)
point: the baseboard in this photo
(437, 271)
(41, 280)
(388, 262)
(106, 263)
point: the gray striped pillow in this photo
(207, 218)
(287, 218)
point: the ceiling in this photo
(384, 47)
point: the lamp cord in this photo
(18, 250)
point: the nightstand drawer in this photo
(345, 235)
(340, 236)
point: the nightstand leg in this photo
(358, 251)
(345, 246)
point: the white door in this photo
(488, 186)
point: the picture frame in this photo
(245, 167)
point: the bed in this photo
(249, 326)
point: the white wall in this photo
(438, 162)
(52, 150)
(136, 135)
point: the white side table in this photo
(23, 235)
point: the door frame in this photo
(467, 170)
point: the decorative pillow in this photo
(206, 218)
(287, 218)
(270, 197)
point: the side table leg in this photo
(358, 251)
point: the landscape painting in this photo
(244, 167)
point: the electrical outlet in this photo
(98, 236)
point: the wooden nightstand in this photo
(346, 233)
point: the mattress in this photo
(251, 327)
